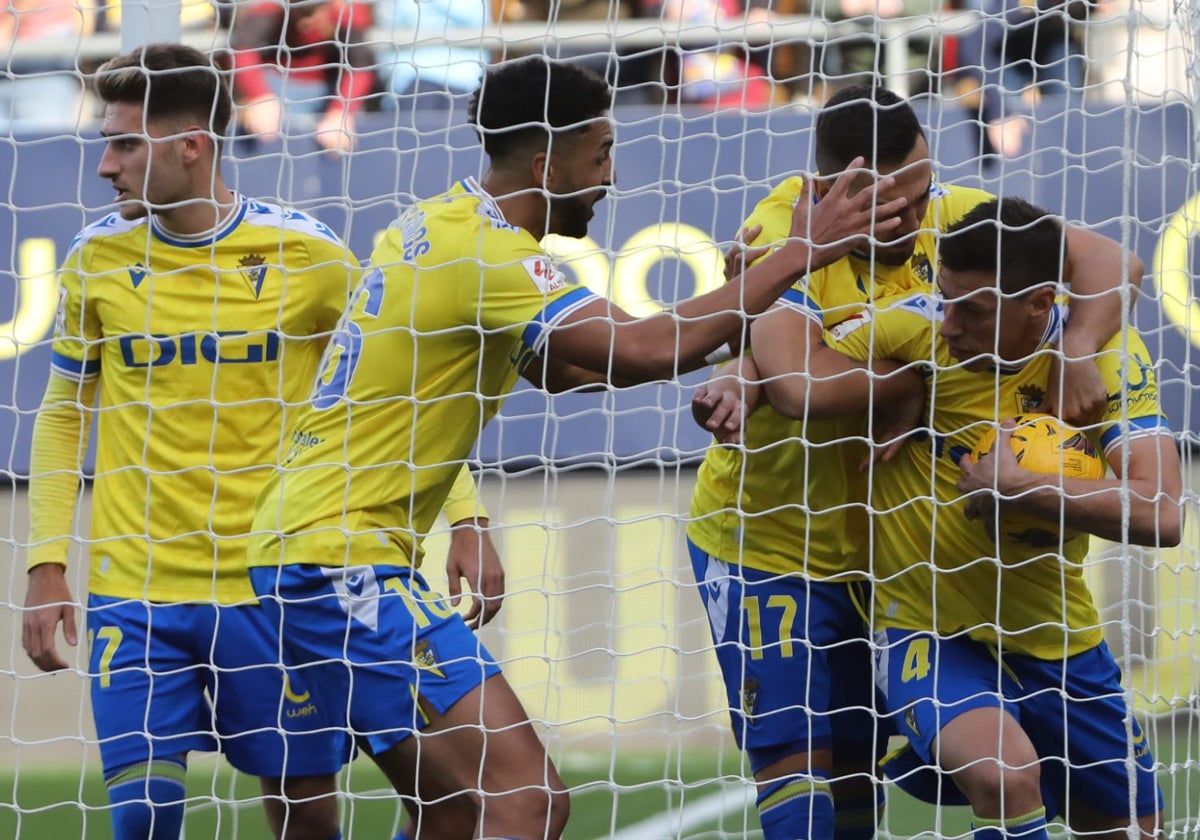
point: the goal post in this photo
(603, 634)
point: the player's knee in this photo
(996, 789)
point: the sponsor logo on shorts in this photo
(298, 704)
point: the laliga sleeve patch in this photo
(843, 329)
(60, 317)
(544, 275)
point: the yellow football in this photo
(1047, 445)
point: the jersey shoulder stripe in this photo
(110, 225)
(266, 214)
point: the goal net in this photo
(603, 633)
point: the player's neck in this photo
(1035, 336)
(201, 215)
(523, 205)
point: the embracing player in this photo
(990, 653)
(200, 317)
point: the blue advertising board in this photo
(685, 181)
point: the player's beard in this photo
(570, 215)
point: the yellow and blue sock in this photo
(796, 808)
(1031, 826)
(147, 799)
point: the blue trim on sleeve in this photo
(73, 368)
(554, 310)
(797, 298)
(1143, 424)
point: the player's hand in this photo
(1076, 393)
(335, 131)
(473, 557)
(719, 406)
(993, 480)
(740, 254)
(47, 602)
(262, 117)
(840, 222)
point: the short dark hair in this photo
(1021, 245)
(867, 121)
(170, 81)
(519, 103)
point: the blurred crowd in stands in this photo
(314, 65)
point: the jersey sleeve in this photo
(464, 502)
(523, 289)
(338, 274)
(1133, 408)
(899, 329)
(60, 438)
(75, 354)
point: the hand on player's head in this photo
(841, 221)
(740, 255)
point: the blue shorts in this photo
(151, 666)
(795, 658)
(930, 681)
(374, 645)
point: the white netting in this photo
(602, 634)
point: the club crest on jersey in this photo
(544, 275)
(254, 268)
(749, 697)
(922, 270)
(1029, 398)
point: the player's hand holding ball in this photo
(1013, 461)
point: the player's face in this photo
(581, 174)
(914, 176)
(142, 161)
(981, 326)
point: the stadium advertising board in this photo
(685, 181)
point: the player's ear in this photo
(196, 143)
(1041, 299)
(542, 168)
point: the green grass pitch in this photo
(696, 795)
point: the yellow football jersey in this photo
(793, 500)
(934, 569)
(456, 301)
(196, 342)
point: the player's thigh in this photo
(1076, 712)
(775, 637)
(269, 722)
(484, 742)
(147, 689)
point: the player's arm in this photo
(601, 337)
(1097, 269)
(804, 378)
(60, 439)
(1141, 504)
(472, 556)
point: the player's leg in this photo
(485, 745)
(947, 697)
(773, 635)
(149, 707)
(416, 667)
(1081, 716)
(271, 726)
(435, 810)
